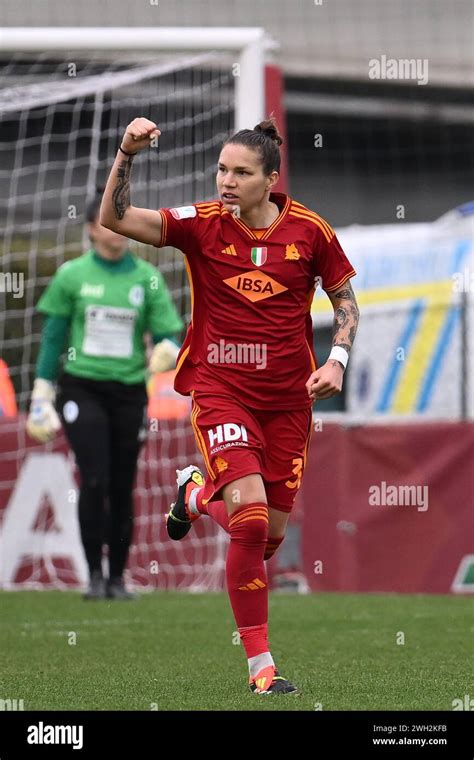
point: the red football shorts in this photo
(236, 441)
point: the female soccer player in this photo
(247, 360)
(100, 305)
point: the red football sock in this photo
(215, 509)
(247, 583)
(272, 546)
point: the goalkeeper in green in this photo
(100, 306)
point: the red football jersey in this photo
(251, 332)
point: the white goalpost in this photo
(66, 96)
(247, 43)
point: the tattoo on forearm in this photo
(121, 193)
(346, 318)
(340, 317)
(347, 294)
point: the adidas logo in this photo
(253, 586)
(230, 250)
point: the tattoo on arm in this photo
(121, 193)
(346, 317)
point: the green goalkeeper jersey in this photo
(109, 305)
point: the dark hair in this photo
(263, 138)
(93, 206)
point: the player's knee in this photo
(244, 491)
(249, 525)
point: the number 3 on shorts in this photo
(298, 471)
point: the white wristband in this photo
(340, 355)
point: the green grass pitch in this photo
(177, 651)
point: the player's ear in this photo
(272, 179)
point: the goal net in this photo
(62, 115)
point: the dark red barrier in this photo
(402, 547)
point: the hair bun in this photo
(269, 128)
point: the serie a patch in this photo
(183, 212)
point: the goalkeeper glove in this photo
(163, 357)
(43, 422)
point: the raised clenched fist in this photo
(138, 135)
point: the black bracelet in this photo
(124, 151)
